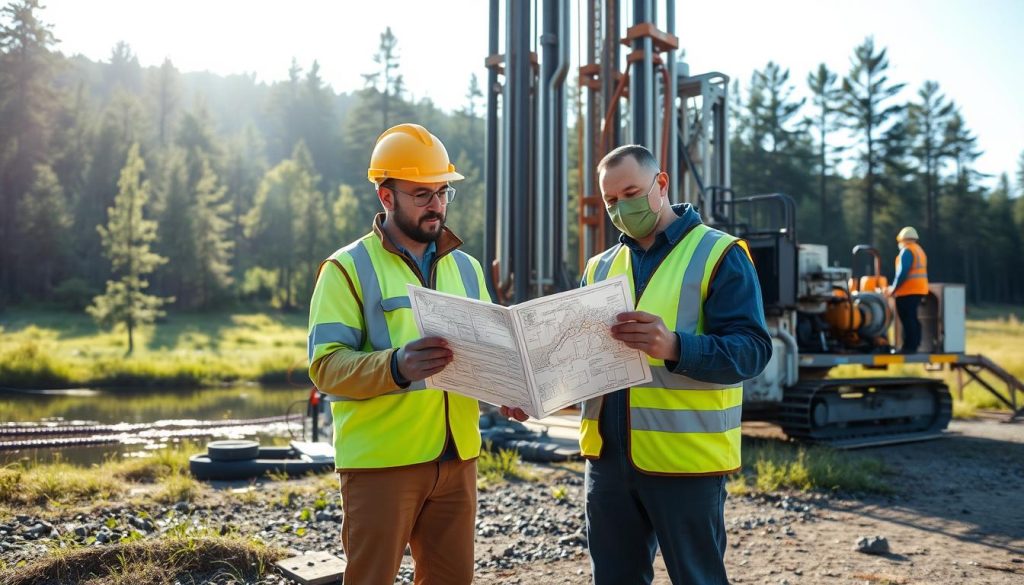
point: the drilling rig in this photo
(634, 88)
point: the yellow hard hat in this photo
(409, 152)
(907, 233)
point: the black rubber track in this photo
(796, 412)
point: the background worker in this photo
(406, 453)
(910, 286)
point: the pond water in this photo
(152, 418)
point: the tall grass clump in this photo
(771, 466)
(496, 467)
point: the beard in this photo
(415, 229)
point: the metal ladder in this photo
(974, 365)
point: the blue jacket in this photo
(735, 345)
(903, 270)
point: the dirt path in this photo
(957, 517)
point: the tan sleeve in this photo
(354, 374)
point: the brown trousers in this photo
(430, 506)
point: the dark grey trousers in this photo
(906, 308)
(629, 514)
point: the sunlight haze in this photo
(972, 49)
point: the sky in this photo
(974, 49)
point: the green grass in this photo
(40, 349)
(771, 466)
(158, 465)
(995, 331)
(495, 468)
(171, 558)
(177, 487)
(60, 483)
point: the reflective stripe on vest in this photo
(333, 333)
(684, 421)
(916, 281)
(406, 426)
(677, 425)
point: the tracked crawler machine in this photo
(635, 89)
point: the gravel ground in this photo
(956, 517)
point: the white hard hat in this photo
(907, 233)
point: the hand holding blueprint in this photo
(541, 355)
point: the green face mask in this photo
(634, 217)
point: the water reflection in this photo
(147, 405)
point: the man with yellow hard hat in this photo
(406, 453)
(910, 286)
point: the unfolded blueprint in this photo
(541, 355)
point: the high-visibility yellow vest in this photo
(677, 425)
(916, 282)
(407, 426)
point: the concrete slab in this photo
(563, 429)
(315, 452)
(313, 568)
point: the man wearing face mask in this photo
(406, 452)
(658, 454)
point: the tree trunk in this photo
(824, 206)
(288, 284)
(131, 340)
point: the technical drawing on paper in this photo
(486, 363)
(571, 352)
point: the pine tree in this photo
(1020, 175)
(1003, 267)
(270, 225)
(27, 63)
(961, 148)
(897, 186)
(303, 109)
(773, 107)
(72, 141)
(469, 111)
(362, 127)
(195, 217)
(117, 131)
(926, 120)
(176, 241)
(825, 96)
(963, 212)
(124, 71)
(245, 164)
(387, 81)
(44, 223)
(772, 152)
(347, 222)
(466, 211)
(196, 136)
(285, 114)
(866, 90)
(1019, 203)
(126, 239)
(312, 227)
(288, 223)
(320, 128)
(164, 86)
(213, 244)
(71, 157)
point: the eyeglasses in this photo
(445, 195)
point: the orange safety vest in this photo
(916, 283)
